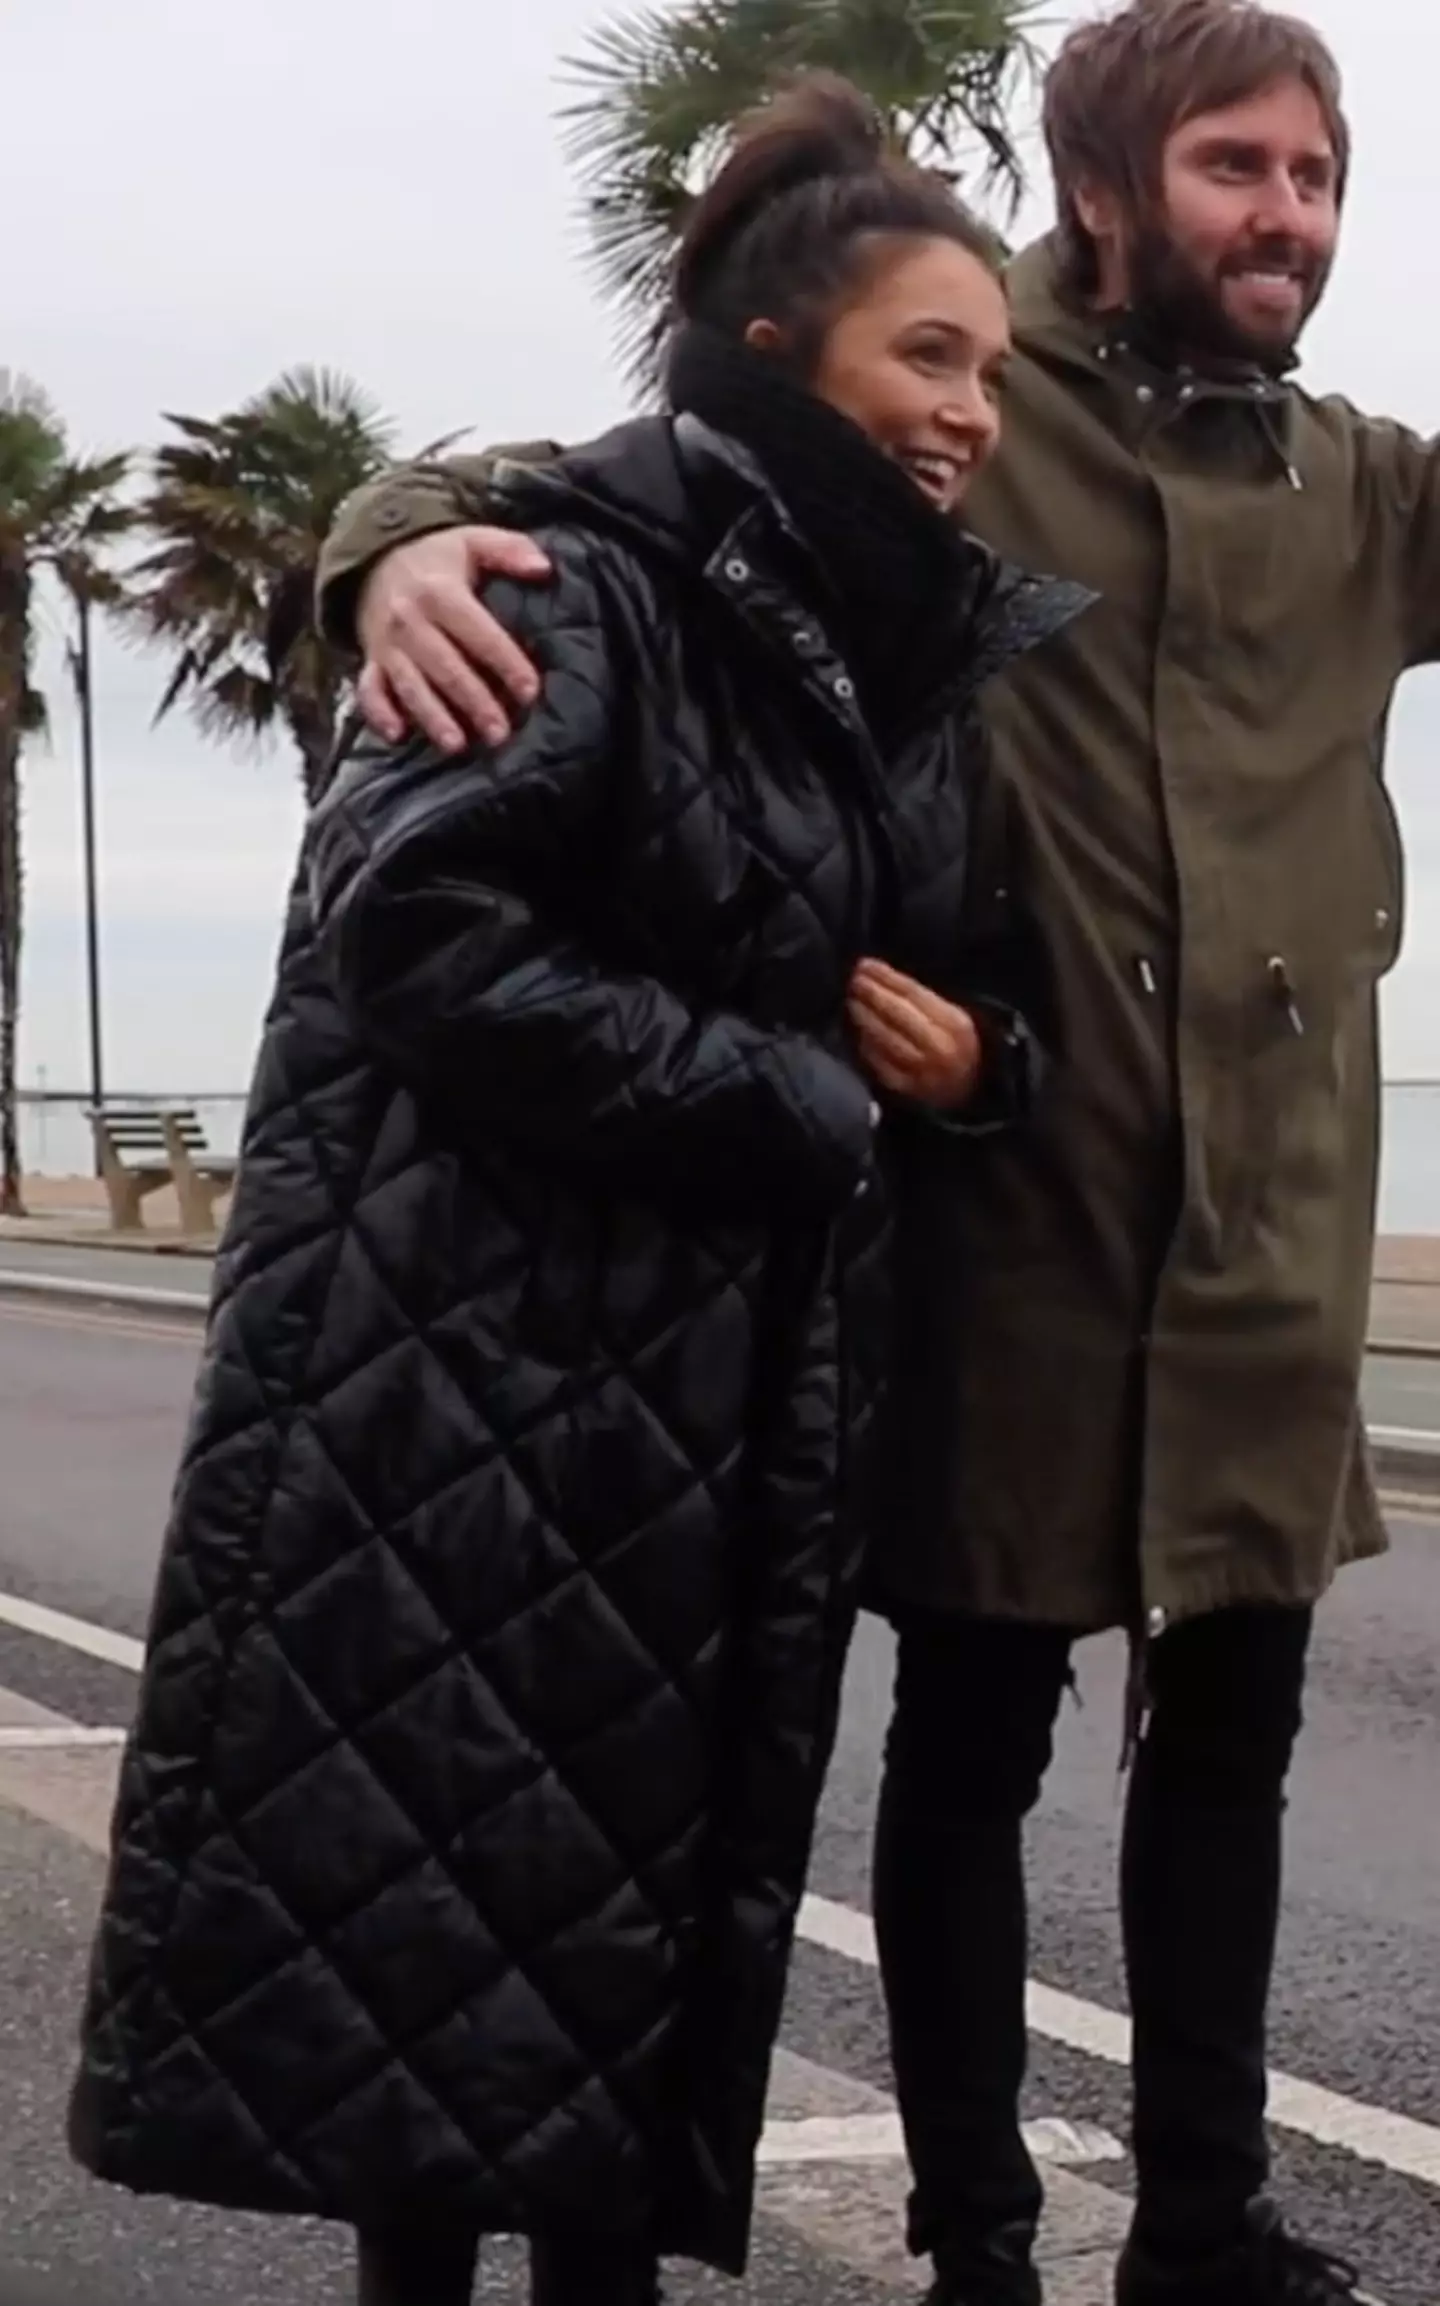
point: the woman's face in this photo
(915, 361)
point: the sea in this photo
(55, 1141)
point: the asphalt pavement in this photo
(92, 1408)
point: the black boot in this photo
(1268, 2267)
(591, 2270)
(422, 2266)
(998, 2271)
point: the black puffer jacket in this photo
(495, 1661)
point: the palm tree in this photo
(239, 506)
(61, 512)
(659, 88)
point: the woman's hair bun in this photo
(814, 125)
(806, 177)
(816, 128)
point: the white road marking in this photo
(1411, 1504)
(1415, 1440)
(1067, 2145)
(832, 2138)
(72, 1632)
(1370, 2133)
(61, 1737)
(879, 2138)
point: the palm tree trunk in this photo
(14, 690)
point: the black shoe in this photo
(1270, 2267)
(1021, 2288)
(996, 2271)
(569, 2270)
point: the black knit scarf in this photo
(901, 577)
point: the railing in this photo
(55, 1138)
(56, 1142)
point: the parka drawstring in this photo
(1138, 1700)
(1273, 434)
(1183, 387)
(1277, 969)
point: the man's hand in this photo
(911, 1041)
(436, 661)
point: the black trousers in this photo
(436, 2266)
(975, 1711)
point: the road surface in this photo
(91, 1412)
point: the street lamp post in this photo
(84, 697)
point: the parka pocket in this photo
(1312, 1130)
(1262, 1124)
(1309, 1040)
(1281, 1098)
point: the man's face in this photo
(1239, 257)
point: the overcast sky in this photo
(215, 190)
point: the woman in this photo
(496, 1655)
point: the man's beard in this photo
(1184, 312)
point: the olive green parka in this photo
(1133, 1338)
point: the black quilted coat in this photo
(495, 1661)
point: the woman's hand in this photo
(911, 1041)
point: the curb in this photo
(1408, 1455)
(120, 1244)
(120, 1293)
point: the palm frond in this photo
(327, 396)
(238, 508)
(32, 449)
(87, 578)
(442, 446)
(236, 704)
(21, 396)
(657, 90)
(58, 512)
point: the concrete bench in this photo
(141, 1149)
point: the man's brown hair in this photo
(1121, 86)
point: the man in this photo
(1152, 1380)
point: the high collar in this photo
(1140, 386)
(676, 491)
(893, 577)
(1056, 329)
